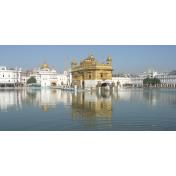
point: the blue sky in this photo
(131, 59)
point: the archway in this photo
(53, 84)
(104, 85)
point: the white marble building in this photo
(47, 77)
(9, 76)
(121, 81)
(137, 81)
(64, 79)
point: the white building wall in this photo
(167, 79)
(138, 81)
(90, 83)
(45, 77)
(64, 79)
(9, 76)
(45, 81)
(121, 80)
(24, 79)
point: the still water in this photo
(56, 110)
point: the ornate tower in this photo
(109, 60)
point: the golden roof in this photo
(91, 61)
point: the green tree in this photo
(156, 81)
(151, 81)
(31, 80)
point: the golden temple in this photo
(89, 72)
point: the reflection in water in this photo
(44, 98)
(152, 97)
(10, 98)
(88, 105)
(163, 96)
(123, 109)
(84, 104)
(91, 106)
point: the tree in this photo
(156, 81)
(31, 80)
(151, 81)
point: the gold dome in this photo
(44, 66)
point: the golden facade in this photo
(90, 70)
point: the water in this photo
(56, 110)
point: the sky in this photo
(125, 59)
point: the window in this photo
(89, 76)
(101, 75)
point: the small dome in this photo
(91, 57)
(74, 62)
(109, 59)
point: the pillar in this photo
(99, 90)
